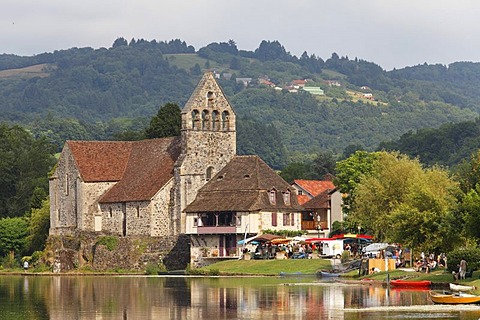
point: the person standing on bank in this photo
(463, 268)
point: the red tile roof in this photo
(100, 161)
(302, 198)
(315, 187)
(149, 168)
(140, 168)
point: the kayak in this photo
(459, 287)
(410, 283)
(456, 298)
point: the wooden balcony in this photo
(216, 230)
(312, 225)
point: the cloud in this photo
(391, 33)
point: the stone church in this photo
(141, 189)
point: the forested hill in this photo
(86, 93)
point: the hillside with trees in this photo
(112, 93)
(383, 148)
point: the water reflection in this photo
(70, 297)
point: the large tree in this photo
(13, 235)
(350, 171)
(167, 122)
(24, 166)
(400, 201)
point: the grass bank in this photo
(267, 267)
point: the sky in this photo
(390, 33)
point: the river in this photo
(175, 297)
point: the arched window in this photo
(225, 120)
(215, 121)
(209, 173)
(195, 120)
(205, 120)
(210, 99)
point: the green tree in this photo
(324, 164)
(297, 170)
(13, 235)
(167, 122)
(38, 226)
(349, 173)
(24, 165)
(196, 70)
(399, 201)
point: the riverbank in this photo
(312, 266)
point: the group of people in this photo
(429, 263)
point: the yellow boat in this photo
(453, 298)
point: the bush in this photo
(110, 242)
(471, 255)
(154, 268)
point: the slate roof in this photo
(243, 185)
(140, 168)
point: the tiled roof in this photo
(302, 198)
(314, 187)
(140, 168)
(320, 201)
(149, 168)
(243, 185)
(100, 161)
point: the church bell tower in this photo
(208, 141)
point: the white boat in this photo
(459, 287)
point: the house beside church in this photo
(193, 185)
(322, 205)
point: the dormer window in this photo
(272, 196)
(286, 197)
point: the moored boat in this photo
(328, 274)
(459, 287)
(410, 283)
(455, 298)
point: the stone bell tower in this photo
(208, 142)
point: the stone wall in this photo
(89, 251)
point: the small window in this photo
(195, 222)
(209, 174)
(286, 197)
(286, 219)
(300, 192)
(274, 219)
(247, 176)
(110, 212)
(292, 219)
(272, 196)
(138, 212)
(66, 184)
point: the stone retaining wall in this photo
(110, 252)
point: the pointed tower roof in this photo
(206, 89)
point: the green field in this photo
(269, 267)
